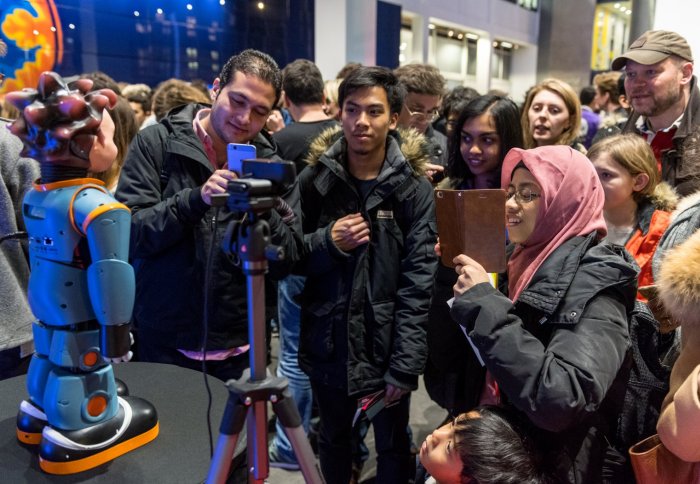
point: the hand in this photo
(216, 184)
(470, 273)
(120, 359)
(437, 249)
(275, 121)
(350, 231)
(393, 393)
(115, 343)
(431, 170)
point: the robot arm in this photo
(105, 223)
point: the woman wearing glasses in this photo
(554, 348)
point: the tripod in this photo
(248, 396)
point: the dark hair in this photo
(253, 63)
(347, 69)
(457, 96)
(302, 82)
(100, 80)
(506, 118)
(421, 79)
(373, 77)
(496, 448)
(202, 86)
(175, 92)
(140, 94)
(586, 95)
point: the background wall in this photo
(149, 40)
(680, 16)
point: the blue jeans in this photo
(288, 367)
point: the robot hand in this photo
(115, 342)
(124, 358)
(120, 359)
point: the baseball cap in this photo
(654, 46)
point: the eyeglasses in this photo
(524, 195)
(420, 116)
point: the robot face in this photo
(103, 151)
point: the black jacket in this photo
(560, 354)
(171, 233)
(680, 166)
(364, 313)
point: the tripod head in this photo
(255, 193)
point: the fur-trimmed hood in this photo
(684, 204)
(679, 282)
(664, 197)
(414, 146)
(685, 220)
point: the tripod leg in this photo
(258, 463)
(231, 426)
(287, 412)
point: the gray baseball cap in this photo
(654, 46)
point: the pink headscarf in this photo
(571, 204)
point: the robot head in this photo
(64, 124)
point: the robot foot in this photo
(31, 419)
(73, 451)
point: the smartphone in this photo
(236, 154)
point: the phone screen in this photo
(237, 153)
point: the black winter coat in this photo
(171, 234)
(364, 313)
(560, 354)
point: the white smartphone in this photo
(236, 154)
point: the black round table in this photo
(180, 453)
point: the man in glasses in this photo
(425, 87)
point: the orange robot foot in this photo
(70, 452)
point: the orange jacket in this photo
(642, 244)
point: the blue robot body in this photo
(77, 276)
(81, 286)
(80, 282)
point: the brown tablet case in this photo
(472, 222)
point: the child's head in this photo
(626, 167)
(481, 446)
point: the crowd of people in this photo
(534, 367)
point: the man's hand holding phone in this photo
(217, 184)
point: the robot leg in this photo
(89, 423)
(31, 418)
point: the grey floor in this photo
(425, 416)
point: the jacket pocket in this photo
(383, 328)
(319, 339)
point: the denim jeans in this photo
(288, 367)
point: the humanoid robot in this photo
(81, 287)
